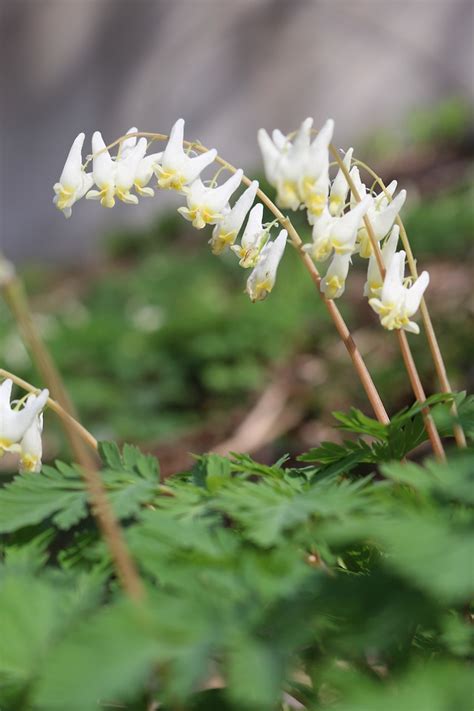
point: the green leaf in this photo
(113, 652)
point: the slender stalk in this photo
(410, 366)
(425, 315)
(342, 328)
(88, 438)
(78, 437)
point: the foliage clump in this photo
(342, 582)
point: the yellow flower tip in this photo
(332, 287)
(315, 203)
(221, 241)
(5, 443)
(335, 205)
(262, 289)
(28, 463)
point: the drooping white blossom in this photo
(381, 215)
(334, 281)
(31, 446)
(321, 247)
(340, 187)
(74, 181)
(262, 279)
(344, 229)
(314, 181)
(225, 232)
(398, 302)
(253, 238)
(177, 167)
(115, 178)
(208, 205)
(147, 165)
(16, 421)
(374, 282)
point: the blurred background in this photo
(154, 336)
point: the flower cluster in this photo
(21, 426)
(340, 212)
(178, 169)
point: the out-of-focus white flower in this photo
(314, 180)
(334, 282)
(262, 279)
(344, 229)
(14, 422)
(298, 168)
(320, 248)
(397, 302)
(225, 232)
(74, 181)
(31, 446)
(381, 215)
(206, 205)
(177, 168)
(285, 160)
(340, 187)
(253, 238)
(374, 282)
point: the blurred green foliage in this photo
(345, 589)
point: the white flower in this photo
(225, 232)
(397, 302)
(74, 181)
(206, 205)
(340, 187)
(382, 215)
(177, 168)
(147, 165)
(262, 279)
(359, 186)
(115, 178)
(344, 229)
(374, 282)
(31, 446)
(253, 238)
(314, 181)
(14, 423)
(321, 247)
(285, 162)
(333, 283)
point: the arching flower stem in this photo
(425, 315)
(341, 326)
(407, 356)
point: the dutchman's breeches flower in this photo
(334, 282)
(206, 205)
(344, 229)
(262, 279)
(74, 181)
(253, 238)
(314, 180)
(374, 282)
(397, 302)
(178, 168)
(340, 187)
(320, 248)
(382, 216)
(15, 422)
(31, 446)
(225, 232)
